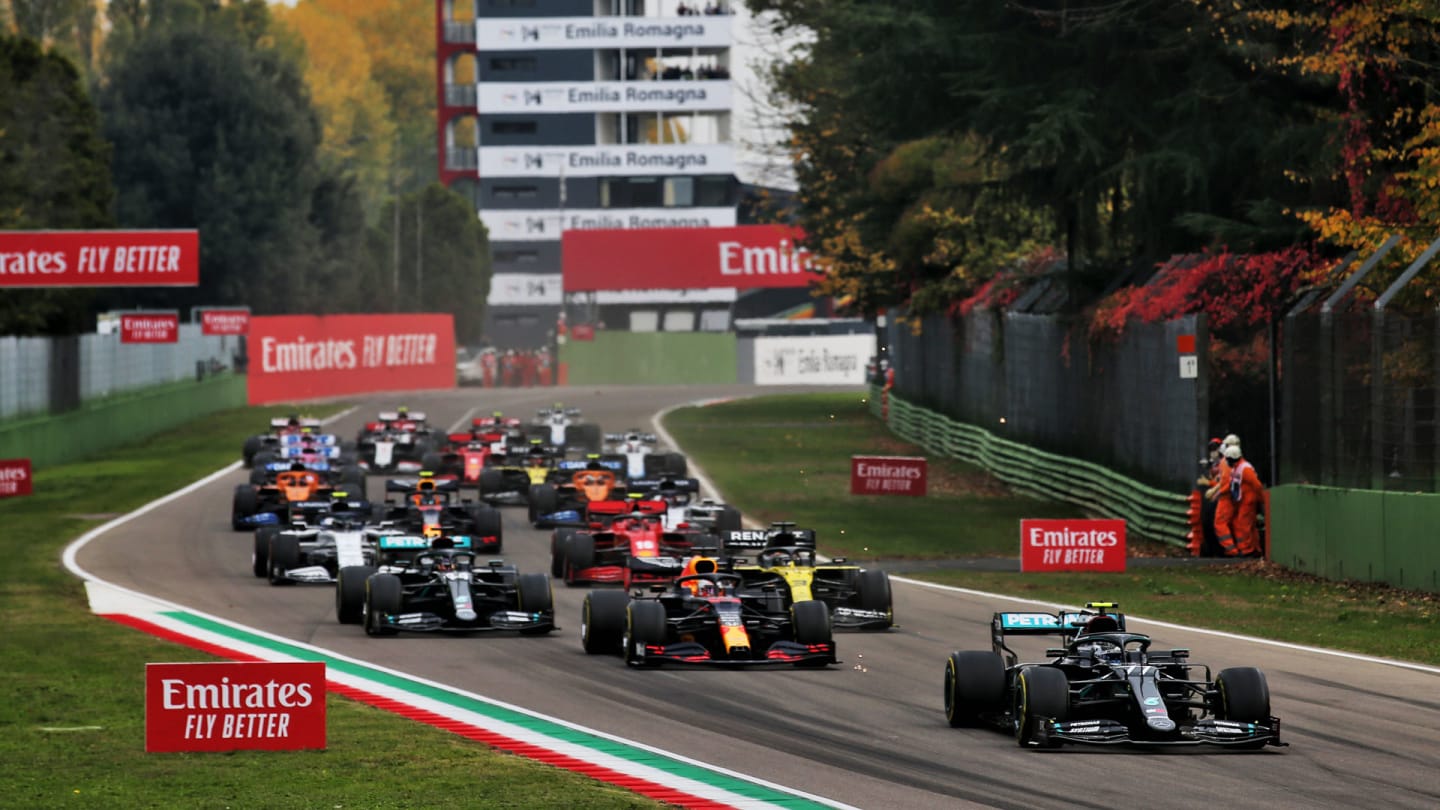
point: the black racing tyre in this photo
(264, 457)
(1241, 694)
(602, 621)
(676, 465)
(260, 556)
(258, 476)
(559, 541)
(284, 555)
(811, 620)
(486, 520)
(872, 587)
(974, 685)
(383, 595)
(251, 447)
(579, 553)
(535, 596)
(350, 593)
(378, 512)
(432, 462)
(644, 624)
(352, 478)
(544, 500)
(728, 520)
(585, 436)
(1039, 692)
(243, 505)
(491, 482)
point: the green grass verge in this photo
(788, 457)
(70, 670)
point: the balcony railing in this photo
(460, 95)
(459, 32)
(462, 160)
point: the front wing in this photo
(780, 653)
(1202, 732)
(425, 622)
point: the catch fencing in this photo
(1043, 381)
(40, 375)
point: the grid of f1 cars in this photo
(682, 581)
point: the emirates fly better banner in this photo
(99, 258)
(295, 357)
(14, 477)
(1072, 545)
(742, 257)
(234, 706)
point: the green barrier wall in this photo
(1357, 534)
(103, 424)
(1150, 513)
(658, 358)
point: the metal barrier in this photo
(1150, 513)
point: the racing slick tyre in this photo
(644, 624)
(974, 686)
(242, 506)
(535, 596)
(352, 478)
(383, 594)
(602, 621)
(584, 436)
(378, 512)
(1039, 692)
(432, 462)
(491, 482)
(264, 457)
(559, 540)
(257, 476)
(350, 593)
(728, 521)
(579, 555)
(872, 589)
(252, 446)
(486, 520)
(811, 620)
(544, 500)
(675, 465)
(1241, 694)
(260, 556)
(284, 555)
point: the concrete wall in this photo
(1357, 534)
(651, 358)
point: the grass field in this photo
(789, 458)
(72, 723)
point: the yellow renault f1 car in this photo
(858, 598)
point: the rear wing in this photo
(300, 439)
(394, 416)
(574, 465)
(283, 422)
(626, 507)
(300, 452)
(1065, 624)
(443, 483)
(664, 484)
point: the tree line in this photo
(939, 142)
(299, 141)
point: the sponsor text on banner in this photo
(888, 475)
(1072, 545)
(14, 477)
(99, 258)
(229, 706)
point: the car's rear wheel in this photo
(257, 476)
(728, 521)
(252, 446)
(490, 483)
(644, 624)
(243, 505)
(1040, 692)
(284, 555)
(383, 595)
(872, 588)
(260, 556)
(602, 621)
(559, 542)
(487, 523)
(974, 686)
(432, 462)
(350, 593)
(534, 596)
(544, 500)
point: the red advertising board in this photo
(99, 258)
(887, 475)
(743, 257)
(149, 327)
(14, 477)
(1072, 545)
(297, 357)
(224, 321)
(583, 331)
(229, 706)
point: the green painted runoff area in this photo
(650, 358)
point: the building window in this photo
(517, 256)
(679, 192)
(512, 3)
(516, 192)
(512, 127)
(713, 192)
(511, 63)
(646, 192)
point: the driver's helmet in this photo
(704, 587)
(403, 411)
(632, 437)
(779, 558)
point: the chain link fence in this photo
(1043, 381)
(46, 375)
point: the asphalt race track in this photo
(870, 732)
